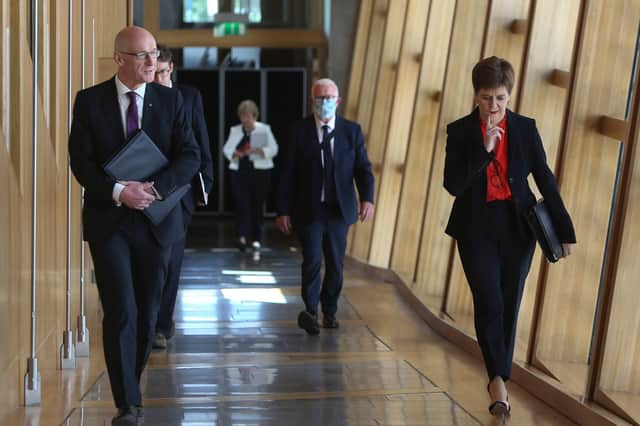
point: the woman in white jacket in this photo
(250, 148)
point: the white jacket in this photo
(259, 162)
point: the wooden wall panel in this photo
(377, 129)
(370, 78)
(5, 63)
(588, 178)
(465, 50)
(19, 198)
(400, 114)
(19, 109)
(508, 21)
(44, 69)
(371, 65)
(5, 299)
(110, 17)
(16, 177)
(356, 74)
(424, 124)
(553, 23)
(621, 370)
(58, 80)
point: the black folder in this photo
(138, 160)
(159, 209)
(539, 221)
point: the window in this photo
(199, 11)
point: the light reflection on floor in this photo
(401, 409)
(234, 304)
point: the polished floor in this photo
(238, 357)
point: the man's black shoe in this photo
(309, 323)
(172, 330)
(159, 341)
(125, 417)
(330, 322)
(139, 412)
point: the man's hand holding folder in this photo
(139, 159)
(137, 195)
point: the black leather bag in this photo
(539, 221)
(139, 159)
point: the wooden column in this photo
(397, 137)
(377, 129)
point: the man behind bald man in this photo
(130, 254)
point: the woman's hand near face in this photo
(492, 136)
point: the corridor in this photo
(238, 357)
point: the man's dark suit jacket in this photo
(301, 173)
(97, 134)
(194, 113)
(465, 176)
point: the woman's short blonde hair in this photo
(249, 107)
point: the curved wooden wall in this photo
(575, 65)
(103, 20)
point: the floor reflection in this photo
(428, 409)
(243, 304)
(238, 305)
(199, 381)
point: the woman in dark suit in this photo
(489, 155)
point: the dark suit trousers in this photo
(170, 291)
(130, 271)
(326, 235)
(250, 189)
(496, 265)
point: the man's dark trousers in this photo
(170, 291)
(130, 268)
(327, 235)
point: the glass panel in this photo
(249, 7)
(262, 13)
(199, 11)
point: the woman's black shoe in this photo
(498, 408)
(242, 244)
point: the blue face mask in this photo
(325, 107)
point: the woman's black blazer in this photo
(465, 177)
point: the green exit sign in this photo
(229, 28)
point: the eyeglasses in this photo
(143, 55)
(325, 98)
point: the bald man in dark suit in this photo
(130, 254)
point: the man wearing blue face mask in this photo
(324, 155)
